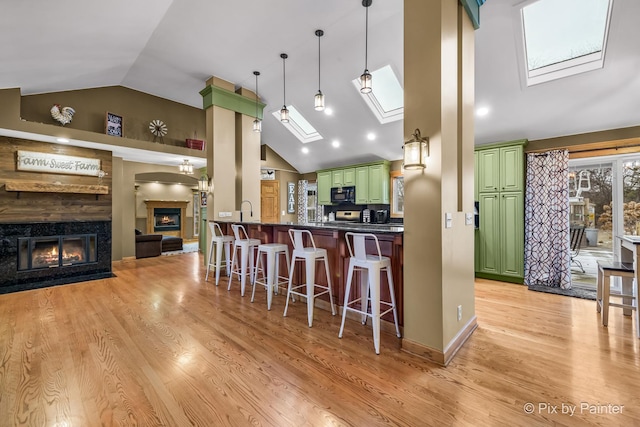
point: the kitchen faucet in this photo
(250, 208)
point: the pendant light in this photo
(365, 78)
(319, 100)
(257, 124)
(284, 113)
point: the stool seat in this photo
(370, 266)
(219, 243)
(271, 279)
(603, 290)
(244, 266)
(309, 255)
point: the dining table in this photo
(630, 253)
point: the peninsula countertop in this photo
(392, 228)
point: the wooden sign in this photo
(57, 163)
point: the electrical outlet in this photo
(459, 313)
(468, 218)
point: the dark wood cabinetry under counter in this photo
(332, 238)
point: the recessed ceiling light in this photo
(371, 136)
(305, 150)
(335, 143)
(328, 111)
(482, 111)
(62, 140)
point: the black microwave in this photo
(343, 195)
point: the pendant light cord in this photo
(256, 96)
(318, 61)
(366, 37)
(284, 82)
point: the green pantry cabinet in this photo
(499, 189)
(371, 181)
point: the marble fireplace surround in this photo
(12, 280)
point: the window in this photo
(386, 100)
(561, 38)
(397, 194)
(298, 125)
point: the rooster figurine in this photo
(63, 115)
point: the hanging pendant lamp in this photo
(319, 99)
(284, 113)
(365, 78)
(257, 124)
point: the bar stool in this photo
(603, 290)
(309, 255)
(271, 279)
(246, 246)
(219, 242)
(370, 267)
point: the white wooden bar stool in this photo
(603, 290)
(242, 268)
(309, 255)
(219, 243)
(370, 267)
(271, 279)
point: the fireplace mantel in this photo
(153, 204)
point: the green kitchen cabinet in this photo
(362, 185)
(499, 190)
(324, 187)
(343, 177)
(379, 183)
(371, 181)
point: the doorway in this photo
(269, 201)
(604, 196)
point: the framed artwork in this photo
(114, 125)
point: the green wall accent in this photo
(473, 10)
(212, 95)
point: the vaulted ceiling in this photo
(169, 48)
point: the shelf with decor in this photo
(54, 187)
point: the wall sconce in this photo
(416, 151)
(186, 167)
(204, 184)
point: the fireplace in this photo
(166, 219)
(37, 255)
(56, 251)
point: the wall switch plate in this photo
(468, 218)
(448, 220)
(459, 313)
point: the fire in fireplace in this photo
(55, 251)
(166, 219)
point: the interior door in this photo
(269, 201)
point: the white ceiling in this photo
(169, 48)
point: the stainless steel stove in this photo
(347, 216)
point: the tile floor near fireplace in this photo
(37, 255)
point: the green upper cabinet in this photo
(362, 185)
(488, 170)
(500, 168)
(378, 183)
(511, 168)
(324, 187)
(348, 177)
(371, 181)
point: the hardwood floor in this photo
(156, 345)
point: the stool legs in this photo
(606, 289)
(310, 281)
(393, 301)
(206, 277)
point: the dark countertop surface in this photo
(334, 225)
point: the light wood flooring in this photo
(158, 346)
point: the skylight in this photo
(298, 125)
(563, 37)
(386, 99)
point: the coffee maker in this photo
(380, 216)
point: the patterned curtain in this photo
(547, 246)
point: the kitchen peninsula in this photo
(331, 236)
